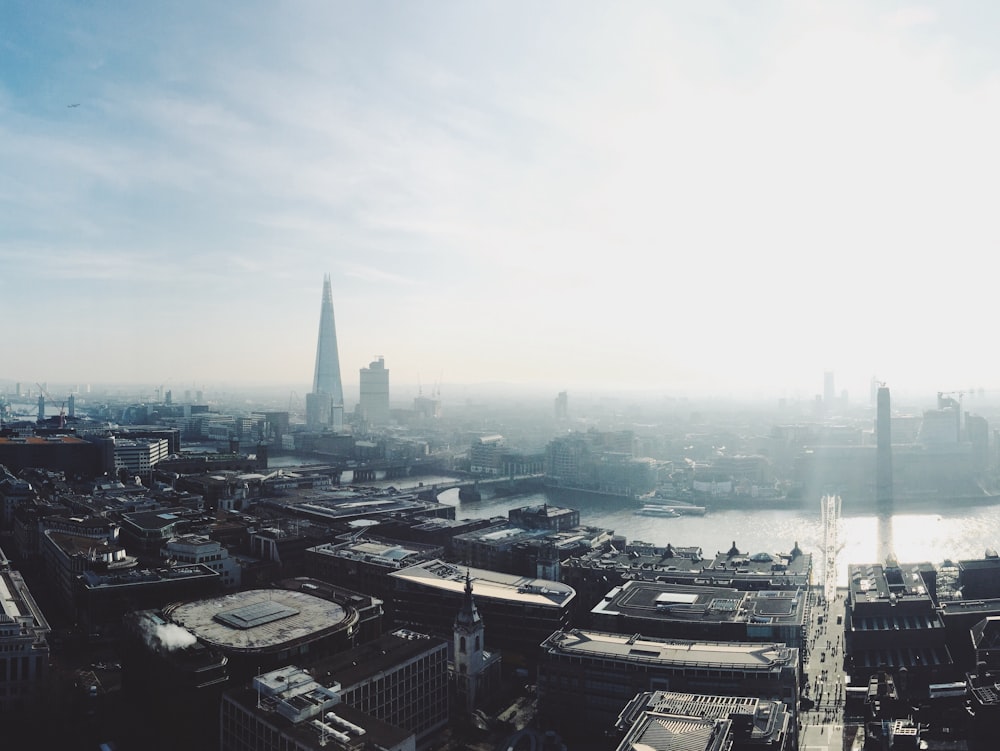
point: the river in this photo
(957, 533)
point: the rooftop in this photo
(389, 650)
(260, 619)
(636, 648)
(488, 585)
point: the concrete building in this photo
(70, 546)
(521, 611)
(598, 462)
(137, 457)
(586, 678)
(980, 578)
(400, 678)
(325, 403)
(366, 564)
(513, 550)
(679, 611)
(592, 575)
(289, 710)
(370, 609)
(892, 625)
(673, 721)
(485, 453)
(266, 628)
(544, 516)
(374, 402)
(68, 453)
(193, 548)
(24, 648)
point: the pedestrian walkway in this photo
(822, 727)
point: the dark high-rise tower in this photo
(883, 474)
(325, 405)
(883, 457)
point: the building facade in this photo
(24, 649)
(586, 678)
(374, 402)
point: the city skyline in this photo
(713, 198)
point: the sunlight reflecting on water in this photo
(960, 533)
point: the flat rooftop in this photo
(366, 660)
(259, 619)
(682, 653)
(488, 585)
(639, 598)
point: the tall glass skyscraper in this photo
(325, 405)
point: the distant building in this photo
(600, 463)
(374, 402)
(485, 453)
(139, 456)
(68, 453)
(544, 516)
(513, 550)
(325, 403)
(562, 406)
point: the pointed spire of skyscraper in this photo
(326, 402)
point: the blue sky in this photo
(674, 196)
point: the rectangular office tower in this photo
(375, 393)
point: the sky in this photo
(668, 196)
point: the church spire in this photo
(468, 617)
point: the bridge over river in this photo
(470, 488)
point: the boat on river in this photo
(680, 508)
(656, 509)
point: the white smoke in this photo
(171, 637)
(165, 637)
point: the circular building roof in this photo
(259, 619)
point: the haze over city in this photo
(712, 197)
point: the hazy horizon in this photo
(711, 198)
